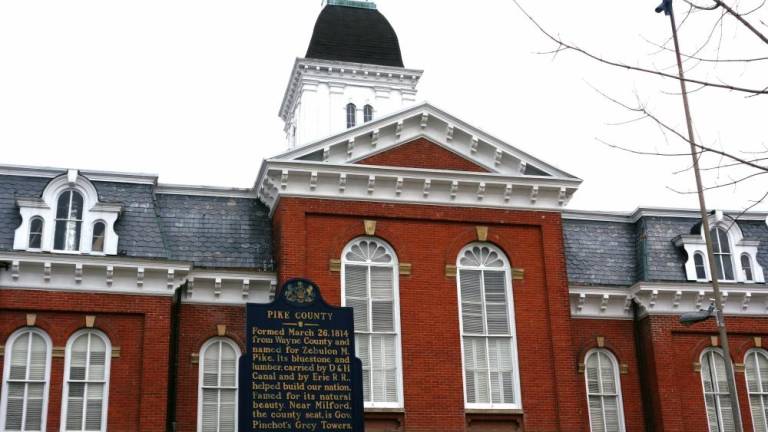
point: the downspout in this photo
(173, 358)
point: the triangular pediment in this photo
(439, 128)
(418, 155)
(422, 153)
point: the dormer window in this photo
(746, 267)
(36, 233)
(367, 113)
(731, 252)
(722, 250)
(701, 270)
(351, 114)
(69, 220)
(99, 231)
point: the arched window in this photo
(26, 374)
(86, 382)
(756, 370)
(746, 267)
(487, 327)
(603, 391)
(698, 262)
(351, 114)
(97, 241)
(69, 218)
(36, 233)
(367, 113)
(716, 396)
(721, 247)
(217, 396)
(369, 286)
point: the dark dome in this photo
(356, 35)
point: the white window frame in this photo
(42, 233)
(617, 384)
(7, 371)
(512, 326)
(751, 267)
(763, 391)
(347, 118)
(716, 390)
(106, 237)
(704, 265)
(396, 312)
(105, 381)
(200, 373)
(68, 219)
(721, 257)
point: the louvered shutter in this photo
(382, 300)
(476, 366)
(497, 318)
(356, 294)
(756, 371)
(471, 301)
(362, 345)
(603, 392)
(209, 415)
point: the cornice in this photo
(642, 212)
(211, 191)
(344, 72)
(100, 176)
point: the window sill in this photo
(493, 411)
(384, 410)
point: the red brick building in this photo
(481, 303)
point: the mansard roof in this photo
(339, 167)
(622, 249)
(208, 227)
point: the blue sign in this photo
(299, 371)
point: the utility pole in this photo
(666, 6)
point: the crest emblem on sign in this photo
(300, 293)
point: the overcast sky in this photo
(190, 89)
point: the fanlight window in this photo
(756, 370)
(370, 288)
(36, 233)
(351, 114)
(367, 113)
(25, 381)
(86, 384)
(217, 397)
(99, 232)
(69, 220)
(716, 396)
(603, 392)
(722, 250)
(487, 325)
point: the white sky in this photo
(190, 89)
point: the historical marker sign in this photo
(299, 371)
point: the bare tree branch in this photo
(639, 152)
(636, 68)
(741, 19)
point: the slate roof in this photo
(599, 253)
(209, 231)
(217, 231)
(355, 35)
(622, 253)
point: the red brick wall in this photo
(619, 339)
(422, 153)
(138, 325)
(311, 232)
(197, 325)
(679, 398)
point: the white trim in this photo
(207, 191)
(512, 327)
(642, 212)
(7, 370)
(616, 383)
(67, 366)
(200, 373)
(93, 175)
(394, 265)
(761, 394)
(716, 394)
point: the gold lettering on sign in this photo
(301, 374)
